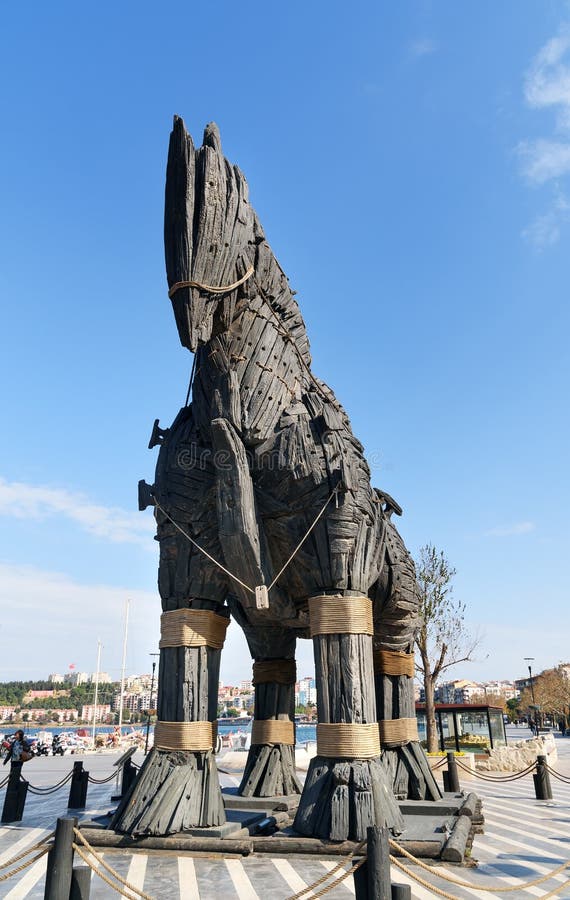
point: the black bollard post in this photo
(78, 787)
(451, 777)
(60, 861)
(360, 878)
(80, 883)
(401, 892)
(378, 864)
(541, 778)
(129, 775)
(15, 799)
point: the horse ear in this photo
(212, 137)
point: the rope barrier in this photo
(102, 876)
(357, 850)
(494, 778)
(25, 865)
(330, 886)
(557, 775)
(556, 890)
(131, 887)
(431, 887)
(497, 889)
(14, 859)
(103, 780)
(44, 791)
(140, 893)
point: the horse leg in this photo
(346, 789)
(270, 767)
(178, 788)
(395, 624)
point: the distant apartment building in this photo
(7, 713)
(246, 686)
(506, 689)
(138, 682)
(242, 702)
(75, 678)
(305, 692)
(104, 678)
(37, 715)
(461, 691)
(227, 692)
(134, 701)
(55, 679)
(100, 712)
(65, 715)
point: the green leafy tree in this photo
(513, 710)
(443, 639)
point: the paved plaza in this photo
(524, 839)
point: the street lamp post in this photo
(150, 702)
(530, 659)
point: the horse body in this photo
(253, 375)
(261, 482)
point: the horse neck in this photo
(254, 370)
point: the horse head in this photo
(217, 257)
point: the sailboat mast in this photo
(121, 701)
(96, 689)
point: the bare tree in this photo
(443, 639)
(490, 698)
(551, 694)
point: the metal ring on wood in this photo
(394, 662)
(272, 731)
(340, 615)
(185, 735)
(348, 740)
(192, 628)
(278, 671)
(398, 731)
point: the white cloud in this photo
(510, 530)
(26, 501)
(543, 160)
(545, 230)
(547, 159)
(548, 79)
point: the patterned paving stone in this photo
(524, 839)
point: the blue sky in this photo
(410, 163)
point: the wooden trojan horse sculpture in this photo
(265, 512)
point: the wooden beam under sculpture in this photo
(266, 514)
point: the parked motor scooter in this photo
(57, 748)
